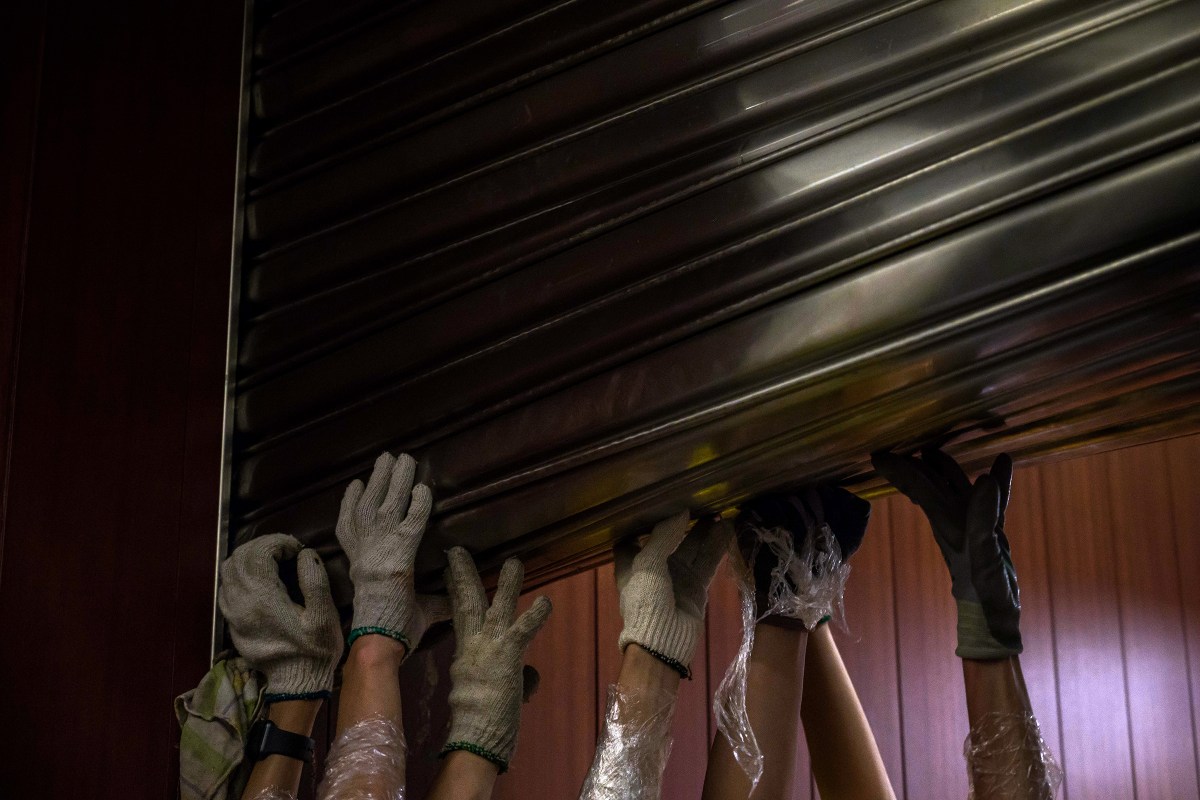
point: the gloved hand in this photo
(664, 587)
(380, 528)
(968, 524)
(809, 584)
(487, 675)
(296, 647)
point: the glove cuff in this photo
(454, 744)
(298, 679)
(387, 611)
(485, 717)
(667, 639)
(975, 638)
(487, 738)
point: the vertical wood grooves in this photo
(1062, 755)
(1121, 635)
(899, 662)
(1186, 525)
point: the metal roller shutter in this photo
(592, 263)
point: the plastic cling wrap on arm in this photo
(367, 762)
(270, 793)
(633, 750)
(807, 585)
(1007, 757)
(729, 704)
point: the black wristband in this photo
(681, 668)
(267, 739)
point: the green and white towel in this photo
(215, 719)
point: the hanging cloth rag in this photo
(215, 719)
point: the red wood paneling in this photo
(1183, 469)
(1023, 524)
(1160, 718)
(723, 628)
(934, 719)
(425, 689)
(1092, 694)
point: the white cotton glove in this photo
(296, 647)
(487, 674)
(664, 587)
(380, 527)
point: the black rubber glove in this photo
(968, 525)
(801, 513)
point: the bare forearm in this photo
(280, 772)
(995, 686)
(775, 685)
(369, 753)
(845, 759)
(1007, 763)
(632, 752)
(640, 670)
(464, 776)
(371, 682)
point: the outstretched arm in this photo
(380, 528)
(845, 759)
(774, 687)
(276, 775)
(663, 590)
(486, 675)
(1006, 757)
(793, 548)
(296, 647)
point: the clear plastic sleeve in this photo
(807, 585)
(367, 762)
(1007, 757)
(633, 750)
(270, 793)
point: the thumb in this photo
(983, 549)
(983, 511)
(314, 581)
(1002, 473)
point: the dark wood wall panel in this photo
(1105, 547)
(111, 522)
(1087, 628)
(22, 27)
(934, 711)
(1183, 465)
(1023, 523)
(1156, 664)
